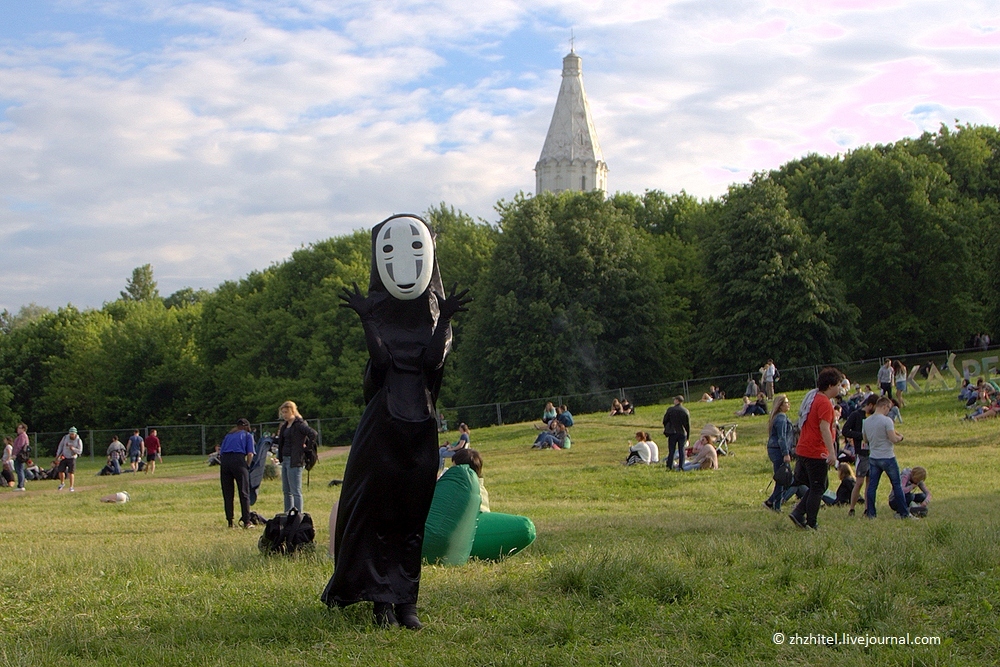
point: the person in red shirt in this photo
(152, 451)
(816, 449)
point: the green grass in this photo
(632, 566)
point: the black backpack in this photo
(24, 454)
(288, 533)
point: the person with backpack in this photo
(294, 437)
(235, 455)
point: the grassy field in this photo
(632, 566)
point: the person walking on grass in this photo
(70, 447)
(235, 455)
(886, 377)
(677, 428)
(816, 449)
(152, 451)
(136, 448)
(780, 441)
(880, 434)
(291, 440)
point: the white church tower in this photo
(571, 158)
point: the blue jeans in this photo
(19, 469)
(291, 485)
(777, 496)
(444, 453)
(891, 468)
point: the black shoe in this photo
(797, 521)
(406, 614)
(383, 615)
(230, 523)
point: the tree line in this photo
(887, 249)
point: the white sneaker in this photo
(71, 489)
(20, 488)
(60, 487)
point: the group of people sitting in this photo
(756, 407)
(713, 394)
(555, 426)
(982, 398)
(622, 407)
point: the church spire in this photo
(571, 158)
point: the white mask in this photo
(404, 255)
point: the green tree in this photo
(8, 418)
(141, 286)
(573, 301)
(771, 290)
(185, 296)
(26, 315)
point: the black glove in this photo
(454, 303)
(356, 302)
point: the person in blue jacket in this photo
(779, 445)
(235, 455)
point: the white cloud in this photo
(239, 130)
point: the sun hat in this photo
(712, 430)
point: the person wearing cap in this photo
(235, 455)
(70, 447)
(853, 432)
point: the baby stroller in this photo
(728, 438)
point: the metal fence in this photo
(928, 371)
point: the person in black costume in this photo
(392, 468)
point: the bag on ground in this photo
(288, 533)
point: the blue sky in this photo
(210, 139)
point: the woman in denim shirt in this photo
(779, 445)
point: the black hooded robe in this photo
(392, 467)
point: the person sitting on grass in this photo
(557, 439)
(742, 411)
(988, 411)
(894, 414)
(846, 488)
(654, 449)
(616, 408)
(627, 407)
(915, 491)
(472, 458)
(709, 395)
(703, 453)
(448, 450)
(758, 408)
(639, 452)
(548, 414)
(564, 416)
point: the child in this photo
(912, 479)
(846, 488)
